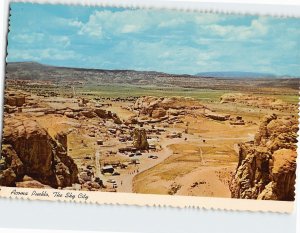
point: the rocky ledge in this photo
(267, 165)
(28, 150)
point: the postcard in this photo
(148, 106)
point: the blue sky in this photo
(160, 40)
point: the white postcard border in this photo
(97, 197)
(290, 8)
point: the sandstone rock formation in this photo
(102, 113)
(256, 101)
(159, 112)
(16, 100)
(29, 182)
(88, 113)
(157, 107)
(267, 165)
(216, 116)
(140, 139)
(29, 150)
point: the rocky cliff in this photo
(267, 166)
(28, 149)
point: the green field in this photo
(205, 95)
(137, 91)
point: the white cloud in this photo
(204, 19)
(130, 28)
(75, 23)
(35, 39)
(256, 29)
(103, 23)
(28, 38)
(62, 22)
(173, 22)
(41, 54)
(63, 41)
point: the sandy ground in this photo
(205, 182)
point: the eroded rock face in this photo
(140, 139)
(13, 169)
(282, 176)
(29, 150)
(267, 166)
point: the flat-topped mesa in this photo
(158, 107)
(28, 149)
(267, 166)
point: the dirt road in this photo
(125, 181)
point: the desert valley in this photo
(149, 132)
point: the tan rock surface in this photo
(140, 139)
(43, 158)
(267, 166)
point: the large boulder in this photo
(39, 156)
(267, 166)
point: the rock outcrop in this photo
(140, 139)
(102, 113)
(267, 165)
(16, 100)
(29, 150)
(257, 101)
(157, 107)
(216, 116)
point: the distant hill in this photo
(238, 81)
(236, 74)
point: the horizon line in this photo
(268, 75)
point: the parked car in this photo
(152, 156)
